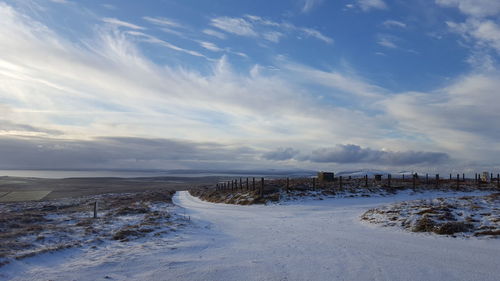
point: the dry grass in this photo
(464, 216)
(30, 228)
(294, 188)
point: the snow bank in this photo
(296, 240)
(457, 216)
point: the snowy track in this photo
(309, 240)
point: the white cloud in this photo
(109, 6)
(60, 1)
(387, 41)
(108, 87)
(394, 23)
(481, 33)
(162, 21)
(214, 33)
(484, 33)
(481, 61)
(120, 23)
(210, 46)
(459, 118)
(273, 36)
(273, 31)
(367, 5)
(154, 40)
(309, 5)
(316, 34)
(477, 8)
(238, 26)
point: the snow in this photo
(299, 240)
(471, 215)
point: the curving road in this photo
(324, 240)
(307, 240)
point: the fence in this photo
(386, 181)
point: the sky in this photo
(222, 84)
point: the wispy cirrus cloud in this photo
(238, 26)
(316, 34)
(479, 32)
(476, 8)
(79, 95)
(394, 23)
(162, 21)
(214, 33)
(210, 46)
(309, 5)
(367, 5)
(120, 23)
(255, 26)
(154, 40)
(60, 1)
(387, 41)
(109, 6)
(273, 36)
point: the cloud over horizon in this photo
(351, 153)
(195, 94)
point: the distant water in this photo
(53, 174)
(75, 174)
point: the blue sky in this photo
(310, 84)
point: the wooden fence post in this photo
(262, 187)
(414, 181)
(287, 185)
(426, 179)
(463, 177)
(95, 210)
(458, 181)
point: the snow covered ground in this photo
(457, 216)
(300, 240)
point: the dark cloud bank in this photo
(141, 153)
(350, 154)
(116, 153)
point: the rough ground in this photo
(463, 216)
(31, 228)
(305, 239)
(296, 188)
(78, 187)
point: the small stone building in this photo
(326, 176)
(485, 177)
